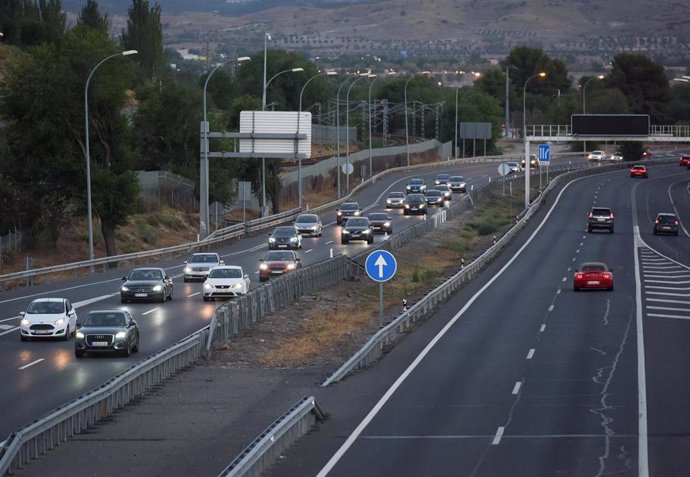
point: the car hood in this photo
(224, 281)
(137, 283)
(378, 221)
(43, 317)
(356, 228)
(102, 330)
(278, 264)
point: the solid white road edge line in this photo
(31, 363)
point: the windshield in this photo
(593, 268)
(105, 319)
(357, 223)
(415, 198)
(457, 178)
(307, 219)
(396, 195)
(350, 206)
(433, 193)
(278, 257)
(225, 273)
(285, 231)
(416, 182)
(204, 258)
(667, 219)
(145, 275)
(46, 308)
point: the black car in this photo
(415, 186)
(666, 223)
(441, 179)
(457, 184)
(348, 209)
(357, 228)
(434, 198)
(415, 204)
(285, 237)
(381, 223)
(106, 331)
(146, 284)
(600, 218)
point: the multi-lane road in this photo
(518, 375)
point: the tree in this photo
(144, 33)
(679, 108)
(644, 84)
(32, 22)
(91, 17)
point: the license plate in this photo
(593, 282)
(99, 343)
(600, 219)
(43, 332)
(282, 246)
(141, 295)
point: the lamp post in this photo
(507, 112)
(204, 168)
(524, 133)
(337, 130)
(584, 110)
(299, 167)
(371, 163)
(407, 133)
(455, 156)
(263, 108)
(88, 154)
(347, 128)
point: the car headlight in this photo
(79, 335)
(237, 285)
(157, 288)
(339, 213)
(386, 224)
(121, 335)
(59, 321)
(388, 201)
(25, 322)
(271, 240)
(357, 212)
(291, 266)
(208, 286)
(263, 266)
(187, 270)
(421, 206)
(345, 231)
(124, 289)
(293, 239)
(407, 206)
(366, 232)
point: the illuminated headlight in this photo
(407, 206)
(79, 335)
(157, 288)
(124, 288)
(366, 232)
(422, 187)
(271, 240)
(386, 224)
(388, 201)
(187, 270)
(291, 266)
(237, 285)
(357, 212)
(25, 322)
(408, 187)
(339, 213)
(421, 206)
(121, 335)
(59, 321)
(462, 185)
(293, 239)
(208, 286)
(346, 232)
(263, 266)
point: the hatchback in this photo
(666, 223)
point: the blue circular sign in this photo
(381, 265)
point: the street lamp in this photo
(371, 164)
(337, 130)
(299, 167)
(347, 128)
(584, 143)
(524, 133)
(204, 168)
(407, 134)
(88, 154)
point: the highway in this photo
(519, 375)
(42, 375)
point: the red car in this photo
(278, 262)
(684, 160)
(593, 275)
(638, 171)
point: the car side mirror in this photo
(166, 277)
(298, 259)
(222, 262)
(130, 324)
(124, 278)
(611, 270)
(22, 313)
(261, 260)
(246, 276)
(78, 324)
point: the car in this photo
(457, 184)
(415, 186)
(616, 156)
(684, 160)
(666, 223)
(199, 264)
(434, 198)
(226, 281)
(146, 284)
(600, 218)
(647, 154)
(441, 179)
(596, 156)
(106, 331)
(309, 225)
(348, 209)
(595, 275)
(513, 167)
(638, 170)
(415, 204)
(278, 262)
(381, 222)
(48, 318)
(357, 228)
(285, 236)
(445, 190)
(395, 200)
(533, 161)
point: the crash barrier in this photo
(33, 440)
(373, 349)
(271, 443)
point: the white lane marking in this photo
(676, 210)
(151, 311)
(256, 272)
(577, 251)
(198, 293)
(497, 437)
(31, 364)
(9, 331)
(669, 301)
(333, 461)
(516, 388)
(666, 293)
(308, 251)
(681, 282)
(58, 292)
(7, 327)
(551, 308)
(642, 429)
(558, 292)
(330, 241)
(584, 237)
(530, 354)
(676, 317)
(573, 259)
(581, 244)
(564, 279)
(669, 308)
(649, 287)
(543, 327)
(79, 304)
(11, 318)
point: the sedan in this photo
(395, 200)
(445, 190)
(199, 264)
(285, 237)
(457, 184)
(415, 186)
(593, 275)
(107, 331)
(441, 179)
(381, 223)
(309, 225)
(513, 167)
(415, 204)
(357, 228)
(434, 198)
(146, 284)
(348, 209)
(226, 281)
(638, 171)
(278, 263)
(48, 318)
(684, 160)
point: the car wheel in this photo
(79, 353)
(122, 300)
(67, 333)
(126, 351)
(576, 288)
(611, 229)
(135, 348)
(185, 279)
(344, 242)
(163, 297)
(405, 213)
(23, 338)
(589, 229)
(206, 298)
(676, 233)
(654, 232)
(263, 279)
(170, 296)
(370, 241)
(610, 288)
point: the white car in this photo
(616, 156)
(597, 156)
(309, 225)
(226, 281)
(199, 265)
(513, 167)
(48, 318)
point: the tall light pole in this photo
(204, 167)
(507, 118)
(88, 153)
(347, 129)
(263, 108)
(455, 155)
(371, 85)
(524, 133)
(584, 104)
(337, 130)
(299, 167)
(407, 133)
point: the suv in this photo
(533, 161)
(600, 218)
(667, 223)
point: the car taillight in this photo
(611, 214)
(656, 221)
(677, 223)
(590, 215)
(579, 276)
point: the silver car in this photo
(395, 200)
(199, 265)
(309, 225)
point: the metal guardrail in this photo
(35, 439)
(282, 433)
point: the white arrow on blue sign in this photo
(381, 265)
(544, 153)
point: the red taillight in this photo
(656, 221)
(607, 276)
(590, 215)
(677, 223)
(611, 214)
(579, 276)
